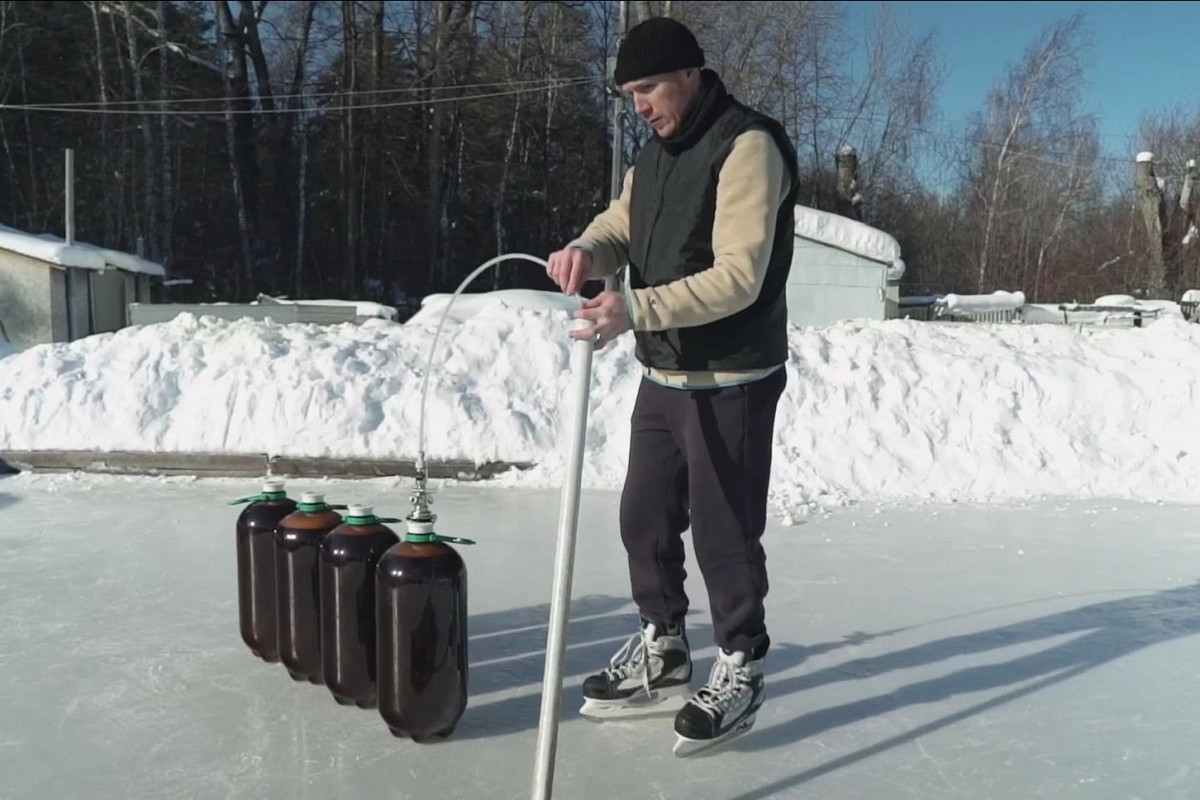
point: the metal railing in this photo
(924, 309)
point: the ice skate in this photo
(724, 708)
(651, 669)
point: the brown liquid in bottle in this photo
(298, 584)
(349, 556)
(421, 598)
(255, 545)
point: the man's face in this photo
(663, 100)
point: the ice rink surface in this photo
(1042, 650)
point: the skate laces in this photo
(630, 658)
(725, 683)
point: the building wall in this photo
(108, 295)
(77, 304)
(26, 299)
(827, 285)
(58, 304)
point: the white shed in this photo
(841, 269)
(54, 292)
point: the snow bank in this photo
(50, 248)
(850, 235)
(470, 304)
(879, 411)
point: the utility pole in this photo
(618, 107)
(69, 202)
(618, 151)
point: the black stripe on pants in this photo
(702, 457)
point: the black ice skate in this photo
(724, 708)
(651, 668)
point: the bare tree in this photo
(166, 214)
(234, 79)
(351, 192)
(1150, 196)
(514, 70)
(1075, 179)
(105, 119)
(150, 202)
(1173, 137)
(1046, 78)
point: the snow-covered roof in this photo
(362, 308)
(980, 303)
(852, 236)
(53, 250)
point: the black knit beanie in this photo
(658, 45)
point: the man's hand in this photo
(610, 315)
(570, 268)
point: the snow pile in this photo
(850, 235)
(52, 249)
(873, 411)
(468, 305)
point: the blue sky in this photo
(1142, 56)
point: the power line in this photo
(533, 83)
(360, 107)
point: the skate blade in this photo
(685, 747)
(658, 702)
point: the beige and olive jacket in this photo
(752, 184)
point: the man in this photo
(704, 224)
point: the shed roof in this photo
(850, 235)
(53, 250)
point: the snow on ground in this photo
(943, 652)
(895, 410)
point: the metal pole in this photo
(560, 605)
(70, 202)
(618, 153)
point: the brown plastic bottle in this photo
(255, 544)
(421, 625)
(298, 585)
(349, 555)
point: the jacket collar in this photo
(712, 100)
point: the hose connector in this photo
(420, 520)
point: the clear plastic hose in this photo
(433, 348)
